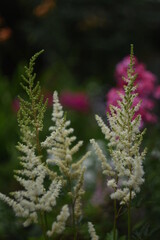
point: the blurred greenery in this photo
(83, 42)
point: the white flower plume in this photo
(61, 149)
(124, 140)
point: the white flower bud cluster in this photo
(60, 150)
(35, 197)
(124, 139)
(59, 226)
(92, 231)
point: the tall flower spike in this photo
(124, 137)
(61, 150)
(31, 112)
(35, 198)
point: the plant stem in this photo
(115, 219)
(72, 211)
(129, 218)
(74, 222)
(43, 227)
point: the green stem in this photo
(74, 222)
(43, 227)
(72, 211)
(115, 219)
(45, 220)
(129, 218)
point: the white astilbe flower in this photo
(35, 197)
(124, 139)
(92, 231)
(40, 186)
(59, 143)
(61, 149)
(59, 226)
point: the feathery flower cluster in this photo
(124, 136)
(147, 89)
(36, 198)
(92, 231)
(60, 152)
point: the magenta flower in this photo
(76, 101)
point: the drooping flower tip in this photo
(59, 226)
(92, 231)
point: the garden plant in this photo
(51, 177)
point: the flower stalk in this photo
(115, 219)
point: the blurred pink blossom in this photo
(145, 79)
(76, 101)
(49, 96)
(147, 89)
(15, 105)
(157, 93)
(112, 97)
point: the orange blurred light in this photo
(5, 34)
(44, 8)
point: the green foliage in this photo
(144, 231)
(110, 236)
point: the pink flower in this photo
(145, 110)
(145, 79)
(146, 83)
(121, 70)
(76, 101)
(147, 89)
(157, 92)
(112, 97)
